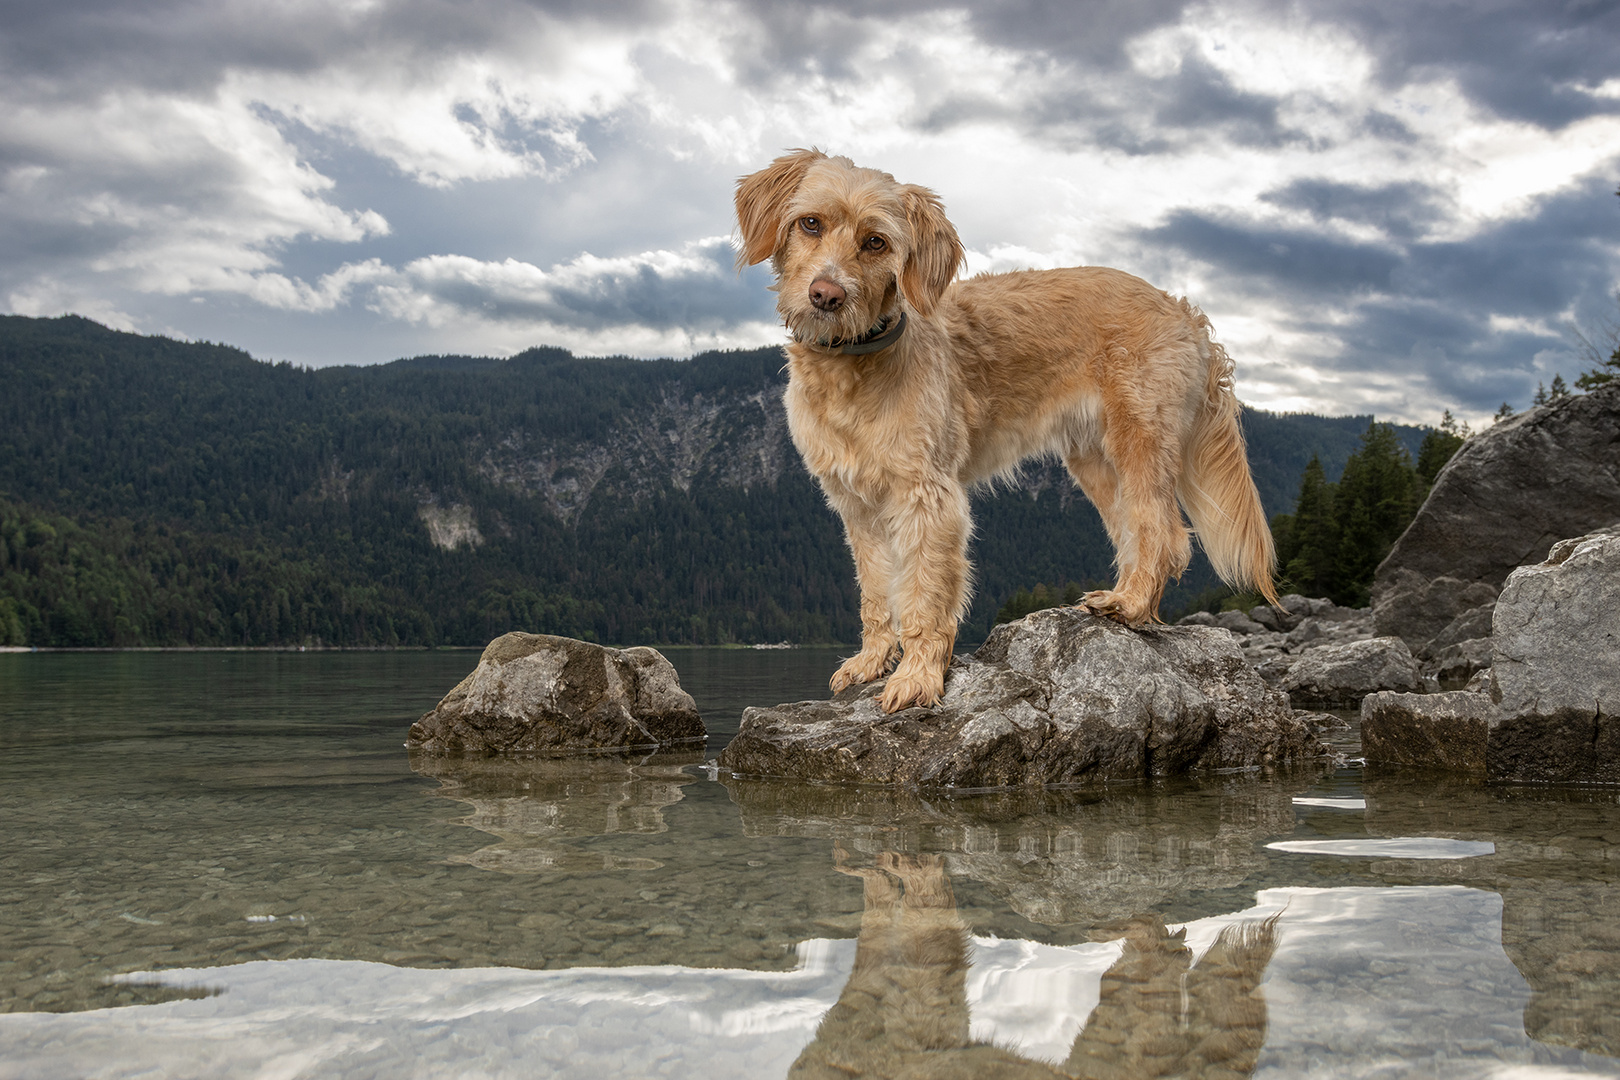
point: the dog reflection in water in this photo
(904, 1011)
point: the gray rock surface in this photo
(1556, 672)
(536, 692)
(1552, 710)
(1058, 697)
(1471, 624)
(1510, 493)
(1446, 731)
(1278, 619)
(1339, 676)
(1456, 665)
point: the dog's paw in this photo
(906, 689)
(864, 667)
(1108, 604)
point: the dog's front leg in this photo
(928, 526)
(880, 644)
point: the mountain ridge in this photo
(454, 498)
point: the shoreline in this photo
(17, 649)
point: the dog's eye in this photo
(811, 225)
(875, 243)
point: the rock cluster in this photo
(536, 692)
(1508, 495)
(1550, 709)
(1058, 697)
(1319, 654)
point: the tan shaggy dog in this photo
(906, 387)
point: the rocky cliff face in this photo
(740, 440)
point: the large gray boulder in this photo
(1058, 697)
(1555, 676)
(1339, 676)
(1553, 707)
(1510, 493)
(536, 692)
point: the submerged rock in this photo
(539, 807)
(1058, 697)
(536, 692)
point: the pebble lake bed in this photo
(227, 864)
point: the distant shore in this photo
(237, 648)
(345, 648)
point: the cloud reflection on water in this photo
(1393, 981)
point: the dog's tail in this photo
(1217, 491)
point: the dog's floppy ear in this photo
(760, 199)
(936, 252)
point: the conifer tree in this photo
(1375, 500)
(1309, 546)
(1439, 446)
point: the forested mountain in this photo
(155, 492)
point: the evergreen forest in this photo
(155, 492)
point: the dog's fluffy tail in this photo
(1217, 491)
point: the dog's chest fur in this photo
(868, 424)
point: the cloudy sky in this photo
(1384, 205)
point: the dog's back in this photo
(1120, 379)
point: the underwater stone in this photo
(537, 692)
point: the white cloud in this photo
(648, 304)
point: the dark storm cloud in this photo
(1201, 96)
(1093, 35)
(1277, 258)
(91, 46)
(697, 290)
(1533, 265)
(1398, 210)
(1468, 317)
(1523, 59)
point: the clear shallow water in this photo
(227, 864)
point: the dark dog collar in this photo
(879, 337)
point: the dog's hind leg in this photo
(880, 644)
(928, 526)
(1100, 483)
(1134, 490)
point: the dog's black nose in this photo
(825, 295)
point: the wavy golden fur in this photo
(1117, 378)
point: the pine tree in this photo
(1607, 371)
(1375, 500)
(1439, 446)
(1560, 389)
(1310, 545)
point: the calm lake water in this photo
(218, 865)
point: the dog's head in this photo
(846, 243)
